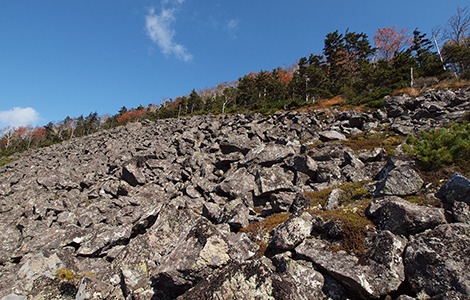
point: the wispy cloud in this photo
(19, 117)
(160, 31)
(232, 27)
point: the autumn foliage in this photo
(22, 138)
(131, 115)
(390, 40)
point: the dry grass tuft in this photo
(260, 231)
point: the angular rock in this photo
(438, 260)
(51, 178)
(402, 217)
(401, 181)
(242, 247)
(11, 240)
(331, 135)
(387, 249)
(356, 121)
(333, 199)
(282, 201)
(238, 143)
(270, 180)
(211, 211)
(292, 232)
(133, 175)
(102, 239)
(329, 172)
(248, 280)
(301, 202)
(352, 160)
(308, 282)
(202, 249)
(304, 164)
(235, 213)
(267, 155)
(238, 184)
(367, 279)
(455, 194)
(14, 296)
(35, 266)
(376, 154)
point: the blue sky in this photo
(69, 58)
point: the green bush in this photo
(442, 147)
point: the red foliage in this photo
(285, 76)
(388, 40)
(131, 115)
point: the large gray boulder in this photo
(271, 180)
(304, 164)
(331, 135)
(401, 181)
(258, 280)
(132, 174)
(438, 260)
(267, 155)
(365, 278)
(282, 201)
(239, 184)
(455, 194)
(402, 217)
(201, 250)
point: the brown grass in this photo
(386, 139)
(354, 224)
(453, 84)
(353, 192)
(260, 230)
(412, 92)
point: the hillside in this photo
(321, 204)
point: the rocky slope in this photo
(222, 207)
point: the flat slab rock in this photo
(365, 278)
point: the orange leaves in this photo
(285, 76)
(131, 115)
(22, 137)
(388, 40)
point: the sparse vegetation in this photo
(260, 231)
(5, 160)
(350, 214)
(383, 138)
(424, 201)
(354, 224)
(67, 275)
(352, 192)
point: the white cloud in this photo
(232, 27)
(19, 117)
(160, 31)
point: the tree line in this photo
(348, 66)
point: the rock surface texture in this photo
(220, 207)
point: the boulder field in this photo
(225, 207)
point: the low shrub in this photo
(440, 148)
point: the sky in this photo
(70, 58)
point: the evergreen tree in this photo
(429, 63)
(334, 51)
